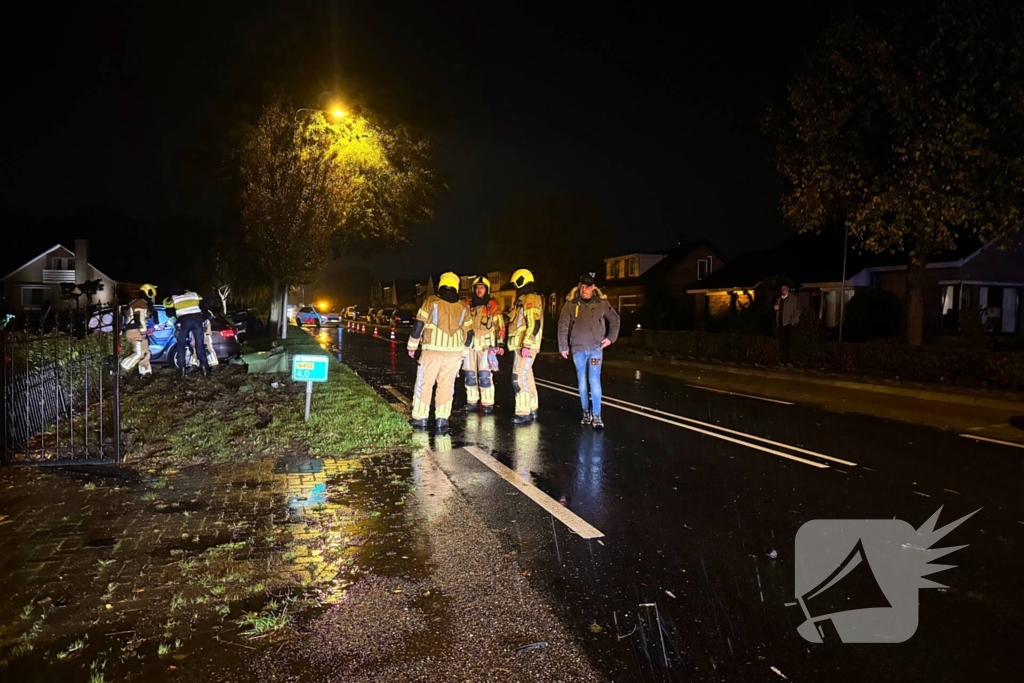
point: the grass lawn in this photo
(234, 415)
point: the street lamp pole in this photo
(842, 292)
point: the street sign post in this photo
(309, 369)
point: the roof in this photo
(673, 257)
(812, 258)
(43, 253)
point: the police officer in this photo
(488, 337)
(191, 314)
(525, 329)
(141, 321)
(444, 330)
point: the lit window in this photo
(631, 267)
(628, 304)
(622, 267)
(610, 270)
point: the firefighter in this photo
(444, 330)
(488, 338)
(526, 327)
(190, 311)
(141, 320)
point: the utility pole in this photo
(842, 293)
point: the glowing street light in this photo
(338, 113)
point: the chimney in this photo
(81, 261)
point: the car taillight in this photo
(227, 333)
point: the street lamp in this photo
(337, 112)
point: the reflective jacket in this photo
(488, 324)
(186, 304)
(141, 315)
(526, 323)
(441, 326)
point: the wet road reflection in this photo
(692, 579)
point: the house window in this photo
(35, 297)
(63, 263)
(627, 303)
(703, 267)
(621, 265)
(609, 270)
(631, 267)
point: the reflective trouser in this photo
(477, 376)
(523, 384)
(191, 325)
(140, 352)
(441, 368)
(211, 354)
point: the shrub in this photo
(884, 358)
(873, 314)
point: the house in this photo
(394, 293)
(659, 280)
(36, 285)
(985, 279)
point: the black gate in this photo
(61, 395)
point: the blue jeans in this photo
(588, 367)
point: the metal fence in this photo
(61, 395)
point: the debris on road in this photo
(532, 646)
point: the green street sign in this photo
(310, 368)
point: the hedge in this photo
(888, 359)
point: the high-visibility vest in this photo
(488, 324)
(526, 326)
(186, 304)
(445, 326)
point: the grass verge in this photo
(233, 415)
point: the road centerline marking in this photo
(574, 522)
(986, 439)
(778, 444)
(723, 437)
(735, 393)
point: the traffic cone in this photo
(375, 331)
(364, 328)
(392, 334)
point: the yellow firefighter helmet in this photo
(449, 280)
(521, 278)
(482, 281)
(149, 290)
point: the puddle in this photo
(179, 575)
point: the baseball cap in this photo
(587, 279)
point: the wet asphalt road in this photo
(693, 576)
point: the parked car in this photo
(403, 318)
(330, 318)
(366, 315)
(384, 315)
(247, 321)
(163, 342)
(355, 313)
(307, 315)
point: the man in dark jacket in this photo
(588, 325)
(787, 316)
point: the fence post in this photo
(3, 392)
(117, 383)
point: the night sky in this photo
(653, 113)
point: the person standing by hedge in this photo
(787, 316)
(588, 325)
